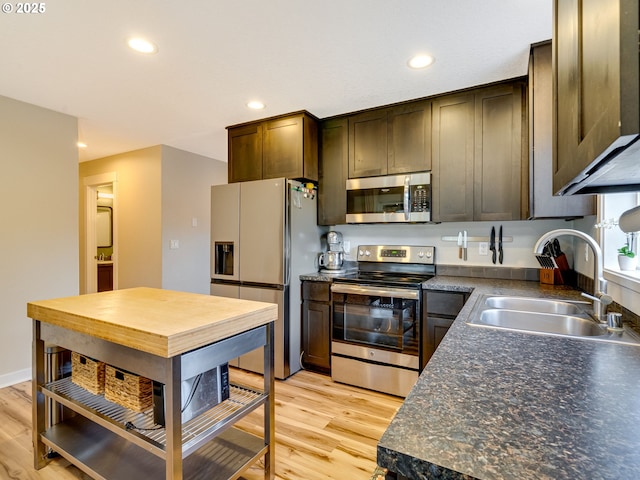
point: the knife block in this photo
(551, 276)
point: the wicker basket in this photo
(87, 373)
(127, 389)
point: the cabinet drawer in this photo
(445, 303)
(318, 291)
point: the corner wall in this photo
(138, 215)
(186, 217)
(38, 207)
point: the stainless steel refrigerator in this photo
(263, 237)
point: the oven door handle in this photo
(410, 294)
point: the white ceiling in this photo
(326, 56)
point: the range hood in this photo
(616, 170)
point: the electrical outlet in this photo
(483, 248)
(346, 246)
(174, 244)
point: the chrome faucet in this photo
(599, 297)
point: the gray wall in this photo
(186, 217)
(39, 212)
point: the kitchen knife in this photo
(500, 252)
(492, 245)
(464, 245)
(459, 244)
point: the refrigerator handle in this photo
(287, 232)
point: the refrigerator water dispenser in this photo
(223, 258)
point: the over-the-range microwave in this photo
(389, 199)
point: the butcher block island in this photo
(172, 341)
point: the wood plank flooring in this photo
(324, 430)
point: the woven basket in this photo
(127, 389)
(87, 373)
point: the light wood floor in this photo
(324, 430)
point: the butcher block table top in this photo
(161, 322)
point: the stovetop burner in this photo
(391, 279)
(392, 265)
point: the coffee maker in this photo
(332, 260)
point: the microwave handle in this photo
(405, 197)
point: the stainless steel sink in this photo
(540, 305)
(544, 316)
(540, 322)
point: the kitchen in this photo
(519, 254)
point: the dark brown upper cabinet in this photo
(332, 175)
(390, 140)
(245, 153)
(542, 203)
(478, 168)
(284, 146)
(596, 94)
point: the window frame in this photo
(611, 237)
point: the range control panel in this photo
(396, 253)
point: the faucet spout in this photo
(600, 297)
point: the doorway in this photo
(100, 232)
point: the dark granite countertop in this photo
(494, 404)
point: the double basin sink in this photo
(545, 317)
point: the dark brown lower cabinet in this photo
(105, 277)
(442, 309)
(316, 326)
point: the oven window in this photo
(377, 321)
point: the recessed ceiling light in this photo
(81, 145)
(141, 45)
(256, 105)
(420, 61)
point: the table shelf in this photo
(147, 434)
(105, 455)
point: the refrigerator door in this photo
(225, 229)
(227, 290)
(262, 231)
(254, 361)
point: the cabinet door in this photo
(437, 328)
(105, 278)
(542, 202)
(596, 58)
(409, 138)
(245, 153)
(368, 144)
(333, 171)
(316, 339)
(498, 172)
(282, 155)
(453, 149)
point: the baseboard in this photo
(12, 378)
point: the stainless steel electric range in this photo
(378, 329)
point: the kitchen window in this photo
(610, 207)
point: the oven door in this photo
(377, 317)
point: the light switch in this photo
(194, 222)
(174, 244)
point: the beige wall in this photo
(137, 215)
(159, 191)
(38, 205)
